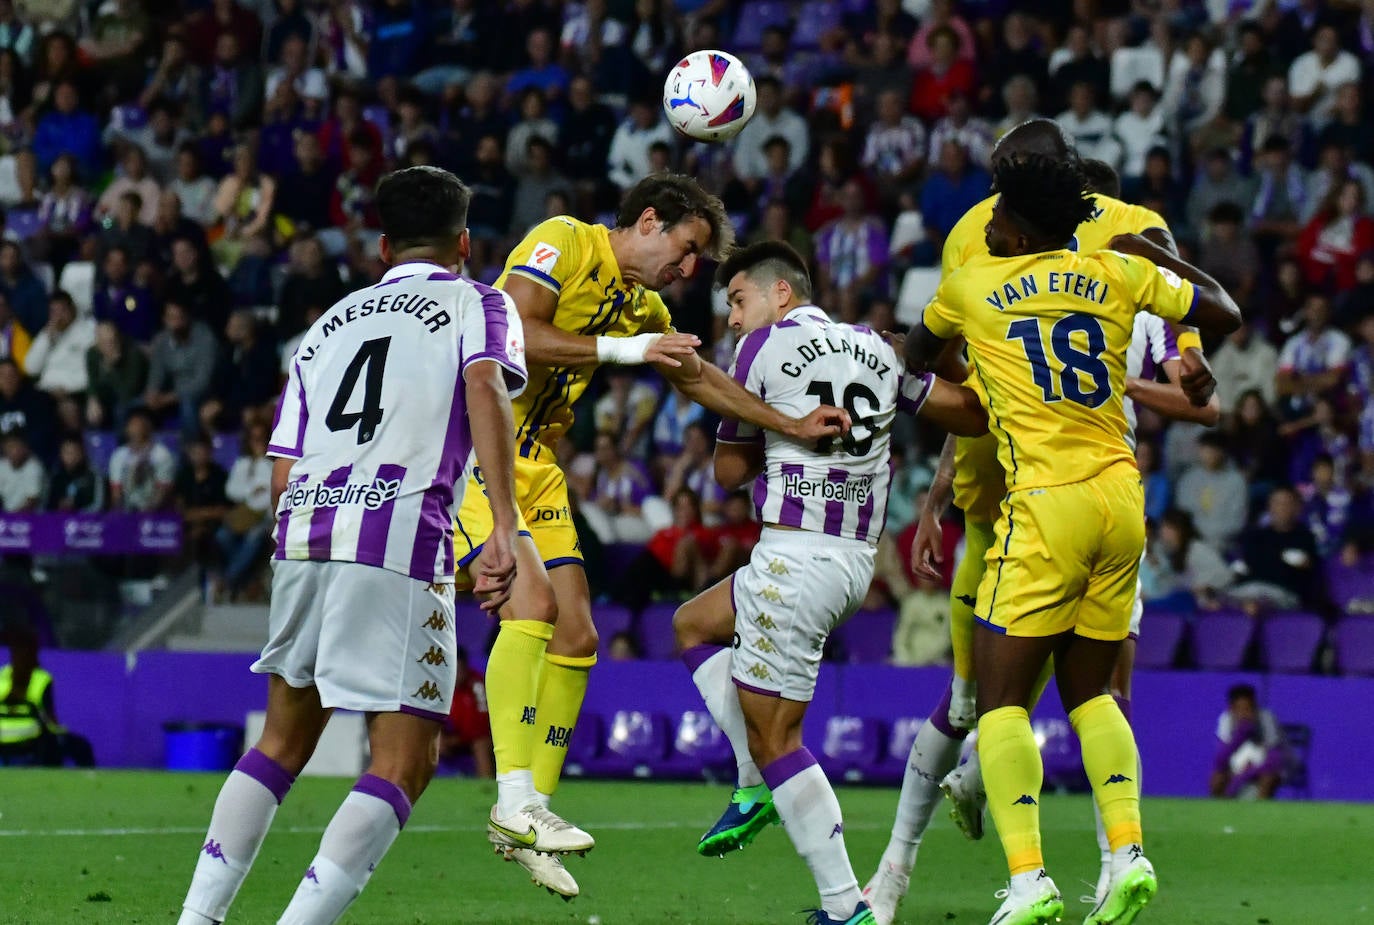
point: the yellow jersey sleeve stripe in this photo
(539, 277)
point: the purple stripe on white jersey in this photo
(1171, 351)
(834, 510)
(375, 530)
(322, 519)
(793, 508)
(760, 494)
(494, 312)
(866, 519)
(283, 523)
(433, 550)
(748, 349)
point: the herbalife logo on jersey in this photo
(856, 488)
(370, 495)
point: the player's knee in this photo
(291, 754)
(687, 628)
(540, 605)
(580, 642)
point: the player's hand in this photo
(825, 421)
(928, 549)
(495, 570)
(667, 348)
(897, 341)
(1195, 377)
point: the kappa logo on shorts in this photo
(760, 672)
(771, 594)
(428, 691)
(765, 622)
(765, 644)
(778, 567)
(441, 590)
(435, 656)
(436, 621)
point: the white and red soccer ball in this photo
(709, 96)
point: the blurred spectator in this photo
(1250, 753)
(352, 206)
(628, 159)
(881, 71)
(218, 18)
(75, 487)
(1076, 61)
(1314, 361)
(26, 694)
(243, 207)
(122, 300)
(1195, 87)
(306, 189)
(67, 129)
(21, 288)
(200, 498)
(57, 356)
(1021, 100)
(1159, 189)
(694, 468)
(1017, 55)
(613, 510)
(945, 74)
(1280, 563)
(1314, 77)
(311, 280)
(1191, 571)
(1088, 128)
(1159, 491)
(461, 36)
(246, 528)
(1336, 236)
(343, 41)
(1213, 491)
(771, 120)
(468, 730)
(21, 475)
(14, 339)
(141, 469)
(116, 374)
(126, 232)
(493, 197)
(779, 183)
(1276, 119)
(182, 366)
(895, 147)
(1139, 129)
(196, 287)
(1349, 126)
(1218, 182)
(585, 137)
(539, 180)
(195, 190)
(170, 226)
(1251, 67)
(1317, 434)
(961, 125)
(232, 84)
(1227, 254)
(294, 68)
(541, 71)
(737, 532)
(921, 634)
(64, 214)
(624, 648)
(176, 79)
(248, 377)
(676, 559)
(133, 176)
(626, 409)
(1280, 199)
(534, 123)
(851, 257)
(1335, 512)
(1143, 56)
(1354, 305)
(15, 34)
(950, 191)
(25, 409)
(669, 433)
(940, 15)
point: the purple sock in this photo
(383, 789)
(696, 655)
(940, 717)
(266, 772)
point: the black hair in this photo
(674, 198)
(1276, 143)
(63, 296)
(422, 207)
(1034, 136)
(1241, 692)
(1102, 178)
(772, 260)
(1046, 197)
(1226, 213)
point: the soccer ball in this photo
(709, 96)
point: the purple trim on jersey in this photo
(866, 517)
(781, 770)
(423, 714)
(755, 690)
(435, 528)
(697, 656)
(296, 451)
(442, 276)
(385, 790)
(913, 406)
(793, 508)
(392, 281)
(760, 494)
(787, 323)
(322, 518)
(375, 528)
(1171, 351)
(267, 772)
(283, 523)
(834, 510)
(748, 351)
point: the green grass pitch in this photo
(107, 847)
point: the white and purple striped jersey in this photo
(374, 416)
(1152, 345)
(804, 361)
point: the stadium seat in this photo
(473, 628)
(851, 748)
(587, 737)
(757, 16)
(100, 446)
(892, 764)
(1220, 640)
(78, 281)
(917, 289)
(610, 619)
(1060, 752)
(1355, 646)
(1290, 641)
(1351, 587)
(225, 449)
(1160, 634)
(636, 743)
(656, 639)
(816, 18)
(867, 636)
(699, 749)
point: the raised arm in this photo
(1170, 399)
(1214, 311)
(955, 408)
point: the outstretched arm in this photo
(1214, 312)
(1170, 399)
(955, 408)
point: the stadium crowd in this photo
(187, 185)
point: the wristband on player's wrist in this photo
(626, 351)
(1188, 340)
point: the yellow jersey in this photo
(1047, 337)
(979, 482)
(574, 260)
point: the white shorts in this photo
(798, 586)
(370, 639)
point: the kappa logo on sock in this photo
(838, 830)
(1025, 799)
(527, 716)
(213, 848)
(558, 736)
(1116, 779)
(310, 875)
(436, 621)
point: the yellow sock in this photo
(513, 671)
(561, 689)
(963, 594)
(1012, 776)
(1111, 760)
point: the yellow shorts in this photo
(541, 497)
(1066, 558)
(979, 481)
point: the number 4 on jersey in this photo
(371, 354)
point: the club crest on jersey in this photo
(544, 257)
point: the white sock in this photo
(543, 798)
(1029, 882)
(713, 678)
(242, 815)
(973, 772)
(514, 791)
(352, 846)
(933, 755)
(811, 815)
(1104, 848)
